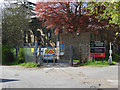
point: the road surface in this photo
(59, 77)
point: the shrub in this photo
(7, 55)
(21, 55)
(116, 57)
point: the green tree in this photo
(15, 22)
(106, 10)
(109, 12)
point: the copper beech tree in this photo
(68, 16)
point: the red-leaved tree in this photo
(67, 16)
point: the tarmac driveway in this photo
(59, 77)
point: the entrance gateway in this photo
(45, 55)
(48, 55)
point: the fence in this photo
(68, 55)
(81, 51)
(84, 52)
(30, 54)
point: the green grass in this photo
(98, 63)
(29, 64)
(76, 60)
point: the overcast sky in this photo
(1, 0)
(34, 1)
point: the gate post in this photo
(17, 49)
(36, 52)
(71, 55)
(58, 50)
(40, 62)
(25, 54)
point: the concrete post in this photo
(71, 55)
(110, 57)
(58, 50)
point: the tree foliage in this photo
(67, 16)
(15, 22)
(106, 11)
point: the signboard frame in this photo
(97, 49)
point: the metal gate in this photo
(30, 54)
(84, 52)
(33, 55)
(64, 60)
(80, 52)
(68, 54)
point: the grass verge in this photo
(29, 64)
(98, 63)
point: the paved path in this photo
(59, 77)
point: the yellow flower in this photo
(117, 33)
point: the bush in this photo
(116, 57)
(21, 55)
(7, 55)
